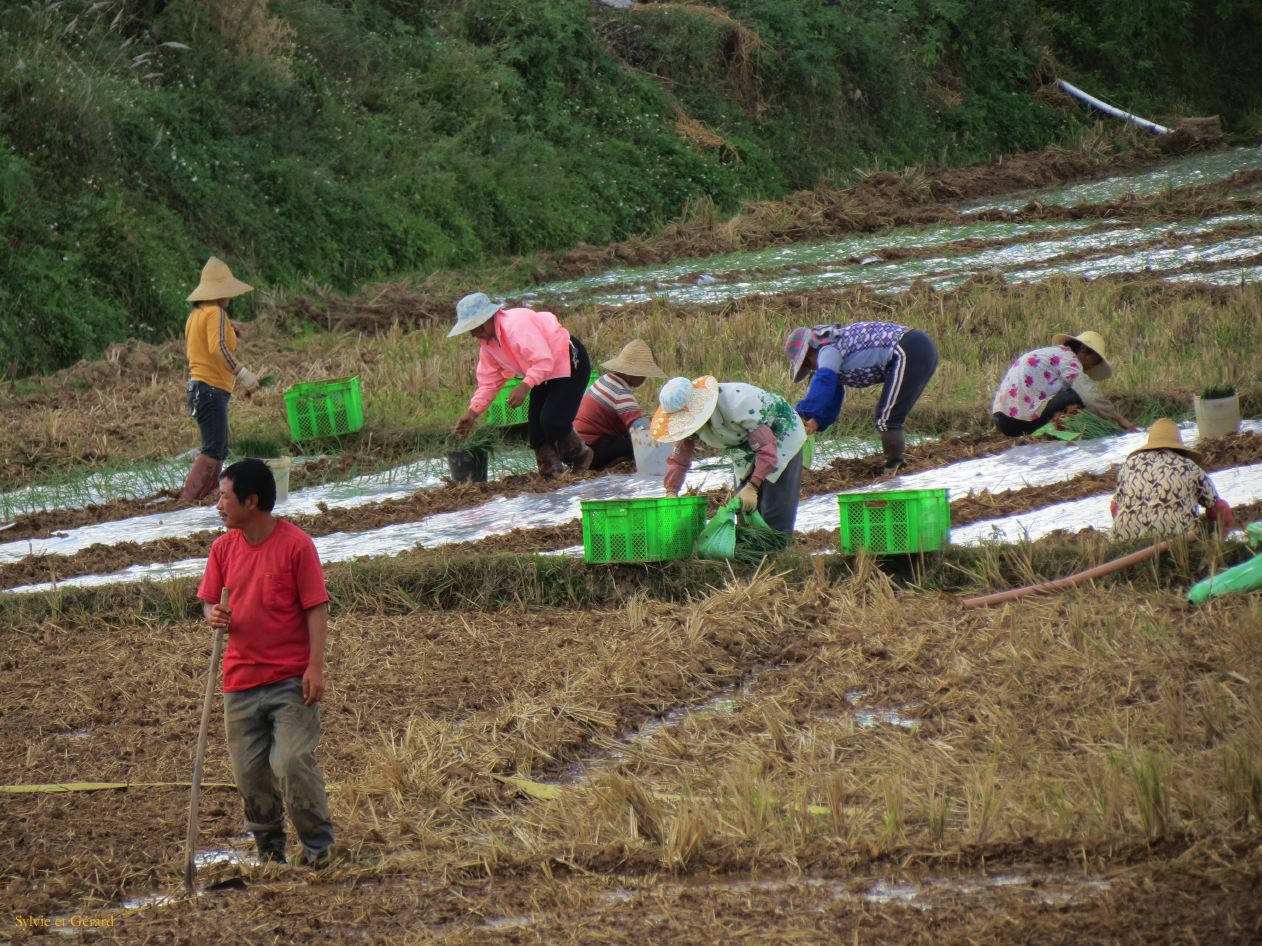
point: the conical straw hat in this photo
(1164, 435)
(685, 407)
(635, 359)
(1094, 341)
(218, 283)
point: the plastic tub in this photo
(280, 467)
(650, 456)
(467, 465)
(895, 522)
(1218, 417)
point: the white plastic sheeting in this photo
(397, 483)
(1240, 485)
(1021, 467)
(1029, 465)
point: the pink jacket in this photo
(527, 343)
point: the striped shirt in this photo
(608, 409)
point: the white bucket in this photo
(280, 472)
(1216, 418)
(650, 456)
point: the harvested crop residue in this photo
(1013, 811)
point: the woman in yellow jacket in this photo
(211, 345)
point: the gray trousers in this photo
(778, 501)
(272, 736)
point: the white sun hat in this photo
(685, 407)
(472, 311)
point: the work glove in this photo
(247, 379)
(748, 495)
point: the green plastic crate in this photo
(641, 530)
(324, 408)
(499, 414)
(895, 522)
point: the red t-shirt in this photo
(273, 585)
(608, 409)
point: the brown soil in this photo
(425, 708)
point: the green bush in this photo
(344, 141)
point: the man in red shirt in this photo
(609, 409)
(273, 669)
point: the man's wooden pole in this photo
(190, 863)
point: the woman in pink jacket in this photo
(552, 364)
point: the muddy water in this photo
(649, 280)
(922, 893)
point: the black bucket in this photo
(467, 465)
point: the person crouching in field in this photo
(609, 410)
(273, 668)
(1044, 382)
(553, 367)
(210, 342)
(762, 430)
(857, 356)
(1159, 487)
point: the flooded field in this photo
(523, 748)
(945, 256)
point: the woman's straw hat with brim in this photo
(1094, 341)
(636, 360)
(472, 311)
(1164, 435)
(218, 283)
(685, 407)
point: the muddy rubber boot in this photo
(548, 461)
(271, 847)
(576, 454)
(202, 479)
(893, 443)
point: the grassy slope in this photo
(339, 143)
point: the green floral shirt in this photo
(743, 408)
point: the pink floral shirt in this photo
(1037, 376)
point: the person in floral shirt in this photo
(1044, 382)
(1160, 486)
(761, 430)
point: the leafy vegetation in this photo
(336, 142)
